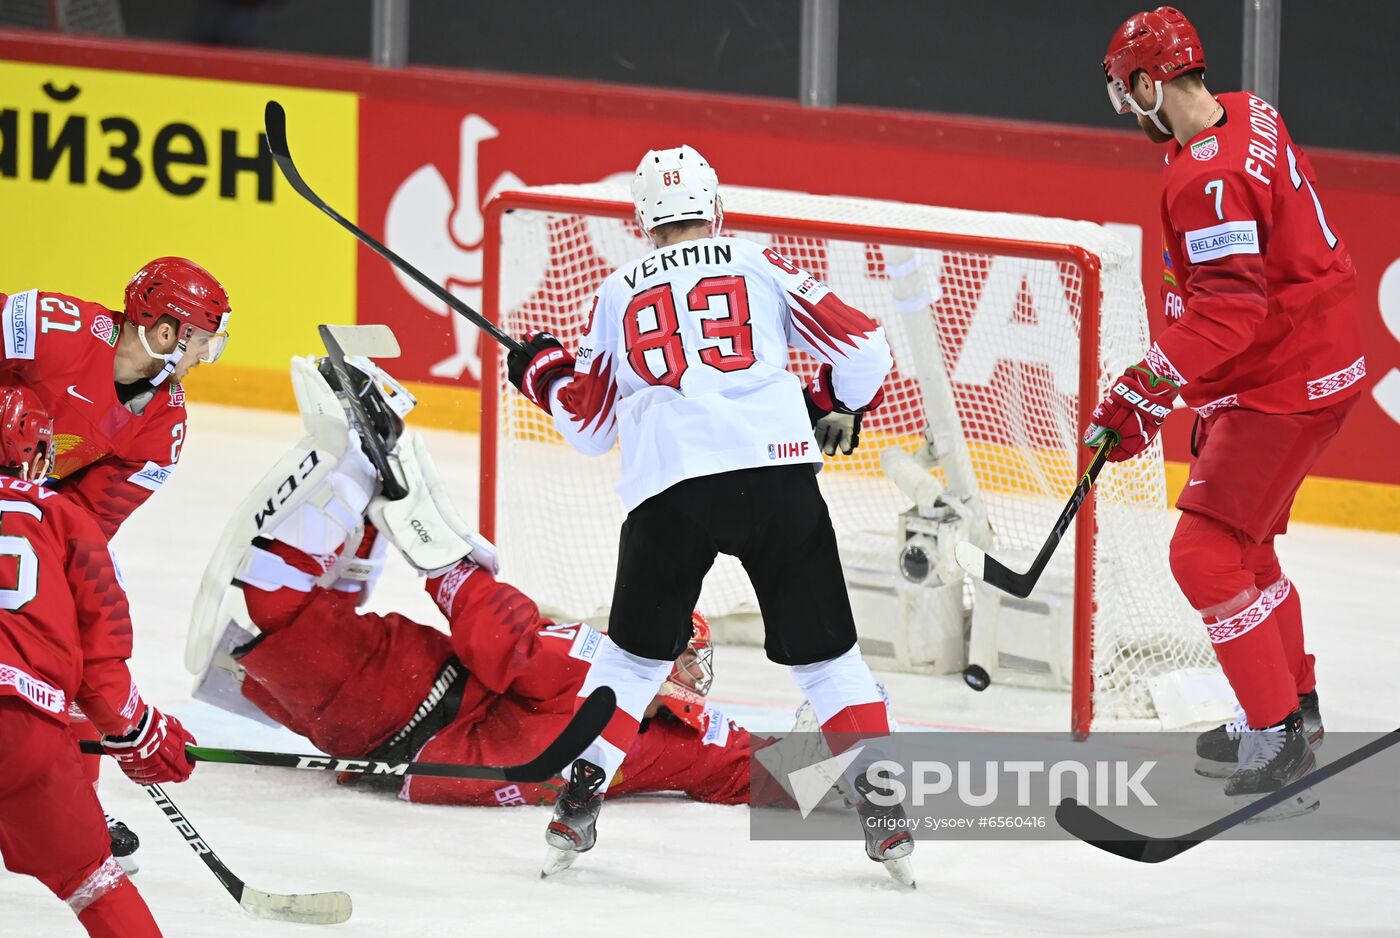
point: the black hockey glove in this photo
(835, 425)
(540, 362)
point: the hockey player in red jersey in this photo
(684, 363)
(495, 689)
(65, 635)
(1263, 342)
(111, 381)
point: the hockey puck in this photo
(976, 677)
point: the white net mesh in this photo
(1008, 333)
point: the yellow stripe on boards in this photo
(441, 406)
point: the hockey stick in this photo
(369, 441)
(585, 726)
(982, 565)
(1093, 828)
(315, 908)
(275, 121)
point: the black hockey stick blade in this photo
(315, 908)
(988, 569)
(1093, 828)
(275, 124)
(389, 482)
(585, 726)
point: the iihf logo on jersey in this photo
(788, 450)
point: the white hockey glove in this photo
(424, 525)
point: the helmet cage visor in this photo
(1119, 96)
(206, 345)
(694, 669)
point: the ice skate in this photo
(1270, 759)
(125, 843)
(1217, 750)
(888, 840)
(573, 829)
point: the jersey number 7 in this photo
(652, 325)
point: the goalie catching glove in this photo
(534, 367)
(424, 525)
(1132, 411)
(836, 426)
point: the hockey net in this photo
(1015, 304)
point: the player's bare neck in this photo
(131, 362)
(1192, 111)
(667, 235)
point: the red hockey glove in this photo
(537, 365)
(154, 750)
(1133, 411)
(836, 425)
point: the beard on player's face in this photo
(1154, 133)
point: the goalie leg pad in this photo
(325, 471)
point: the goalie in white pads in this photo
(684, 360)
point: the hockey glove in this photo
(424, 525)
(836, 426)
(1133, 411)
(153, 751)
(535, 367)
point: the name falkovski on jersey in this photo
(661, 261)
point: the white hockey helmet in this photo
(676, 185)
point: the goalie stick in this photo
(982, 565)
(315, 908)
(585, 726)
(1093, 828)
(275, 123)
(370, 442)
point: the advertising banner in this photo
(112, 153)
(101, 171)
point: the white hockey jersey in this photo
(685, 357)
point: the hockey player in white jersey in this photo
(684, 360)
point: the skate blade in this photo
(1209, 768)
(901, 871)
(1305, 802)
(557, 861)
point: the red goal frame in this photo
(1082, 674)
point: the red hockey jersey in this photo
(349, 681)
(1259, 289)
(107, 459)
(65, 629)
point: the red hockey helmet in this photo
(684, 691)
(1162, 43)
(174, 286)
(26, 433)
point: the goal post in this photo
(1030, 317)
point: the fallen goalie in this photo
(307, 547)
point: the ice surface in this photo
(666, 866)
